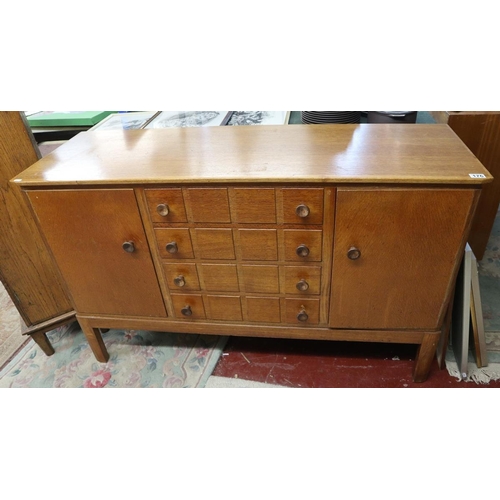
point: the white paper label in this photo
(478, 176)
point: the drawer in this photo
(303, 206)
(181, 277)
(302, 311)
(207, 204)
(166, 205)
(263, 309)
(259, 279)
(214, 244)
(188, 306)
(219, 277)
(303, 245)
(303, 280)
(174, 243)
(258, 244)
(253, 205)
(224, 308)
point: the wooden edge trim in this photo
(49, 324)
(258, 330)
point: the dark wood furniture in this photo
(339, 232)
(26, 267)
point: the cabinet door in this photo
(86, 230)
(409, 244)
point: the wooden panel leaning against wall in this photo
(26, 267)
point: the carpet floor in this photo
(138, 359)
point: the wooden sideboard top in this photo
(359, 153)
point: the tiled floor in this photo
(325, 364)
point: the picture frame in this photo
(168, 119)
(124, 121)
(239, 118)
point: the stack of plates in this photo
(331, 116)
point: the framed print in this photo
(259, 118)
(168, 119)
(124, 121)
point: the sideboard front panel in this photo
(86, 230)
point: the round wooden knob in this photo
(163, 209)
(186, 311)
(171, 247)
(302, 210)
(180, 281)
(302, 316)
(302, 286)
(128, 246)
(302, 251)
(354, 253)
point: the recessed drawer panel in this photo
(166, 205)
(303, 206)
(303, 245)
(263, 309)
(259, 279)
(174, 243)
(214, 244)
(303, 280)
(302, 311)
(258, 244)
(224, 308)
(207, 204)
(253, 205)
(188, 306)
(181, 277)
(219, 277)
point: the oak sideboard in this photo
(330, 232)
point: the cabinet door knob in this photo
(180, 281)
(302, 251)
(302, 210)
(354, 253)
(302, 316)
(302, 285)
(163, 209)
(186, 311)
(128, 246)
(172, 247)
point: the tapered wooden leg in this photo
(95, 341)
(43, 342)
(444, 338)
(425, 357)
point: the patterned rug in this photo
(137, 359)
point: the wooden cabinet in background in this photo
(327, 232)
(480, 131)
(26, 267)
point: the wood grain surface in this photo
(340, 153)
(26, 267)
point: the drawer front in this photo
(253, 205)
(166, 205)
(302, 311)
(181, 277)
(214, 244)
(224, 308)
(302, 280)
(302, 245)
(263, 309)
(188, 306)
(174, 243)
(208, 204)
(219, 277)
(259, 279)
(303, 206)
(258, 244)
